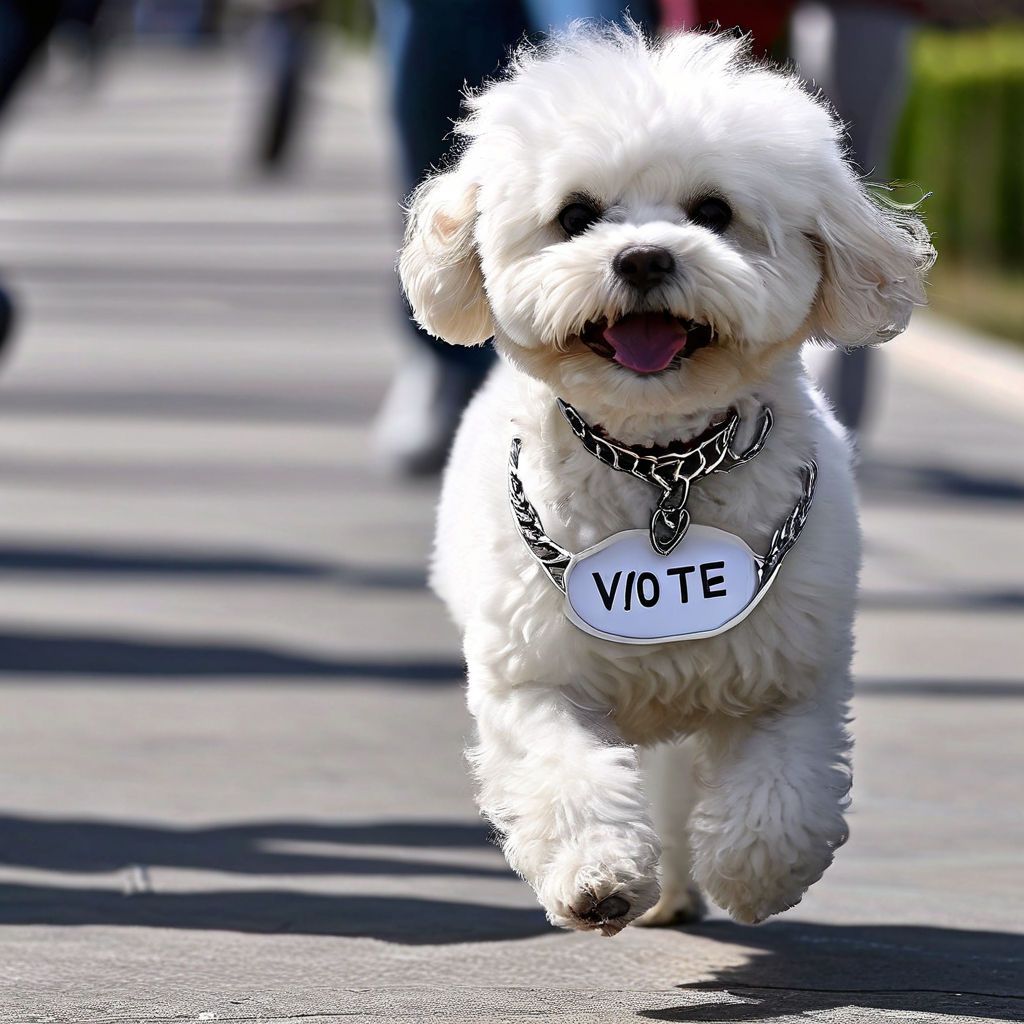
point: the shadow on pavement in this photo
(190, 405)
(80, 658)
(888, 482)
(163, 562)
(184, 475)
(997, 689)
(402, 919)
(262, 848)
(995, 600)
(804, 968)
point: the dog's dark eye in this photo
(712, 213)
(577, 217)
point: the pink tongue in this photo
(646, 342)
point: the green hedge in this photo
(353, 17)
(962, 139)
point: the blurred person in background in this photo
(286, 43)
(78, 33)
(25, 26)
(433, 48)
(188, 21)
(856, 53)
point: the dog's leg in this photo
(771, 815)
(564, 790)
(672, 786)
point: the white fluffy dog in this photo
(650, 231)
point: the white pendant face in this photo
(623, 590)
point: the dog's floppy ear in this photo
(439, 266)
(874, 258)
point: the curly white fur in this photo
(643, 128)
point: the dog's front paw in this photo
(606, 905)
(601, 886)
(751, 899)
(753, 877)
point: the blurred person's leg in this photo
(189, 21)
(79, 39)
(545, 15)
(25, 25)
(434, 48)
(286, 52)
(857, 53)
(8, 313)
(80, 13)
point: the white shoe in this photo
(421, 412)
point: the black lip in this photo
(698, 336)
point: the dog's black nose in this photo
(644, 266)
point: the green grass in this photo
(990, 300)
(961, 138)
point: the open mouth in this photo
(646, 342)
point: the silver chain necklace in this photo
(672, 469)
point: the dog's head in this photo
(650, 224)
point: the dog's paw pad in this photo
(608, 915)
(606, 910)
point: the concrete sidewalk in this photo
(230, 746)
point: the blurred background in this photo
(232, 720)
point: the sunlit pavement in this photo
(232, 720)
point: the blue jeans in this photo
(25, 26)
(434, 47)
(864, 74)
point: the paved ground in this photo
(230, 773)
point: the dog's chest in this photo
(659, 689)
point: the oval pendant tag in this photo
(623, 590)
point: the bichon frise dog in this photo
(650, 231)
